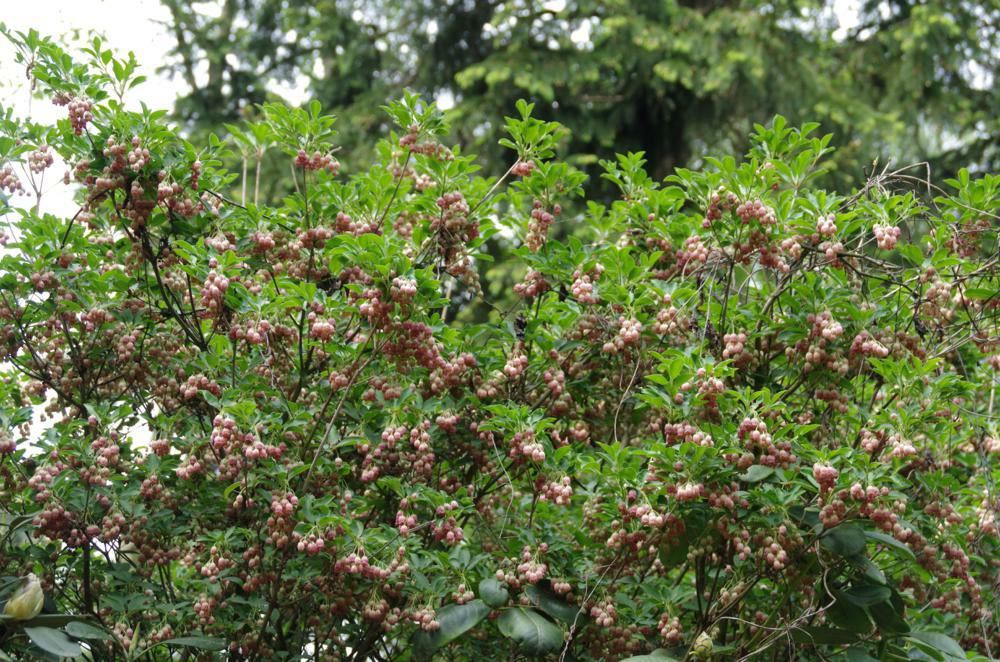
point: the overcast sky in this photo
(126, 25)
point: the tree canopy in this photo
(734, 414)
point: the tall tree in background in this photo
(673, 77)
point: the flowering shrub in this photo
(729, 415)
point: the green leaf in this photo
(756, 473)
(844, 540)
(695, 522)
(81, 630)
(886, 539)
(51, 620)
(822, 635)
(806, 517)
(553, 605)
(455, 620)
(867, 566)
(847, 617)
(911, 253)
(533, 633)
(53, 641)
(866, 595)
(939, 642)
(979, 293)
(203, 643)
(658, 655)
(859, 655)
(888, 619)
(493, 592)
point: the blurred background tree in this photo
(675, 78)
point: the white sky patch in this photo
(294, 92)
(980, 78)
(445, 100)
(209, 8)
(848, 14)
(581, 35)
(125, 25)
(319, 70)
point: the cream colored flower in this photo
(702, 649)
(26, 602)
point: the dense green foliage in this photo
(733, 415)
(914, 80)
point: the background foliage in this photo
(912, 81)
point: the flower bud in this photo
(702, 649)
(26, 603)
